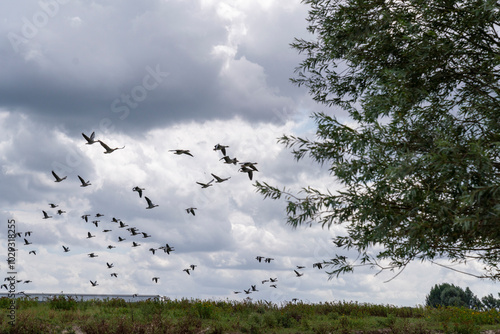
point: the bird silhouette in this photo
(150, 204)
(191, 211)
(45, 215)
(318, 265)
(254, 288)
(98, 215)
(193, 266)
(92, 255)
(135, 244)
(268, 259)
(121, 239)
(205, 185)
(122, 225)
(250, 165)
(26, 242)
(186, 270)
(86, 218)
(273, 286)
(145, 235)
(32, 252)
(259, 258)
(114, 274)
(247, 170)
(58, 179)
(52, 205)
(96, 223)
(228, 160)
(94, 283)
(152, 250)
(179, 152)
(139, 190)
(66, 249)
(111, 247)
(90, 235)
(219, 179)
(108, 149)
(155, 279)
(221, 148)
(84, 183)
(110, 265)
(298, 274)
(60, 212)
(90, 140)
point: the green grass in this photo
(66, 315)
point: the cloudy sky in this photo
(156, 76)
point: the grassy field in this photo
(66, 315)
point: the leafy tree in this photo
(491, 302)
(416, 140)
(450, 295)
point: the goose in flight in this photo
(250, 165)
(86, 218)
(109, 149)
(32, 252)
(273, 279)
(45, 215)
(58, 179)
(135, 244)
(319, 265)
(155, 279)
(66, 249)
(114, 274)
(84, 183)
(167, 249)
(94, 283)
(28, 233)
(150, 204)
(273, 286)
(247, 291)
(245, 169)
(96, 223)
(221, 148)
(90, 140)
(120, 239)
(191, 211)
(139, 190)
(193, 266)
(205, 185)
(228, 160)
(52, 205)
(298, 274)
(300, 267)
(106, 231)
(98, 215)
(145, 235)
(111, 247)
(259, 258)
(60, 212)
(179, 152)
(26, 242)
(110, 265)
(268, 259)
(122, 225)
(187, 270)
(219, 179)
(92, 255)
(152, 250)
(90, 235)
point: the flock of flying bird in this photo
(245, 167)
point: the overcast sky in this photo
(156, 76)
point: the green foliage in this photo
(62, 303)
(450, 295)
(419, 163)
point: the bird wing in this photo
(106, 147)
(92, 136)
(81, 180)
(149, 201)
(55, 175)
(86, 137)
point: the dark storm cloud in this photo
(123, 66)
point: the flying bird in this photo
(298, 274)
(52, 205)
(205, 185)
(228, 160)
(86, 218)
(45, 215)
(84, 183)
(250, 165)
(90, 140)
(60, 212)
(145, 235)
(109, 149)
(186, 270)
(121, 239)
(248, 170)
(191, 211)
(150, 204)
(98, 215)
(135, 244)
(193, 266)
(90, 235)
(259, 258)
(111, 247)
(152, 250)
(58, 179)
(179, 152)
(268, 259)
(26, 242)
(66, 249)
(94, 283)
(219, 179)
(122, 225)
(319, 265)
(139, 190)
(32, 252)
(114, 274)
(96, 223)
(221, 148)
(155, 279)
(92, 255)
(110, 265)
